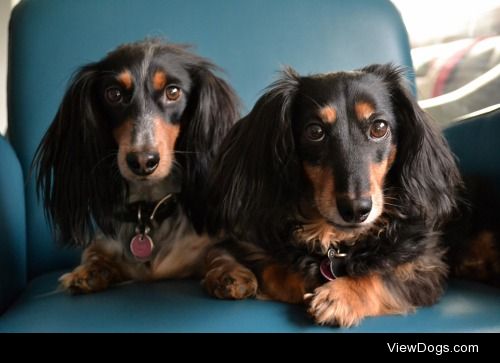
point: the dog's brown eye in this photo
(378, 129)
(315, 132)
(113, 95)
(173, 93)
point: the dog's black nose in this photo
(143, 163)
(354, 210)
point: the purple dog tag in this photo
(326, 271)
(141, 246)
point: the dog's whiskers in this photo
(392, 205)
(112, 154)
(184, 152)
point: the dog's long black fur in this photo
(306, 171)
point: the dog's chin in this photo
(143, 181)
(146, 181)
(348, 227)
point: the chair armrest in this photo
(12, 226)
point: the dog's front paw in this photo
(87, 278)
(231, 281)
(336, 303)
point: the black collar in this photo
(141, 211)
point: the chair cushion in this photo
(183, 306)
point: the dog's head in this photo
(340, 148)
(146, 111)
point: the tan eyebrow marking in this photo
(159, 80)
(328, 114)
(363, 110)
(125, 78)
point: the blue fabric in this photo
(251, 40)
(12, 226)
(476, 143)
(182, 306)
(49, 39)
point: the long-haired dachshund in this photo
(122, 169)
(336, 189)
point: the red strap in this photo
(449, 66)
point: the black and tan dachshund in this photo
(335, 192)
(123, 167)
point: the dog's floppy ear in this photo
(74, 165)
(212, 109)
(425, 169)
(255, 173)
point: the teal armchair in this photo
(251, 40)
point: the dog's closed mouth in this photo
(346, 227)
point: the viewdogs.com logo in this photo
(437, 349)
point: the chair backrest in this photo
(250, 40)
(475, 142)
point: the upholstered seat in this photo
(250, 40)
